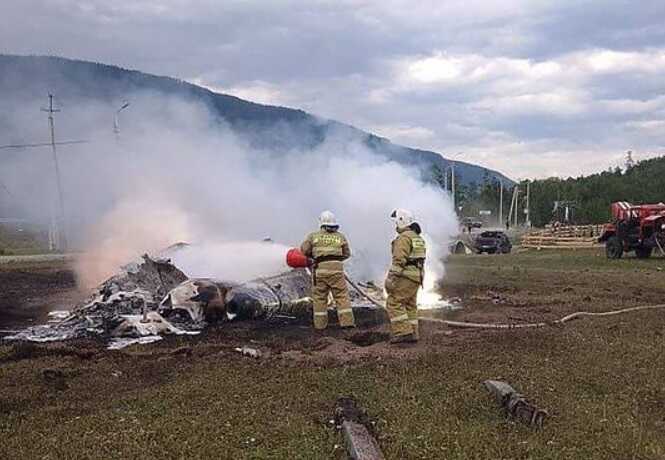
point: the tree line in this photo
(588, 197)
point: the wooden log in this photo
(570, 231)
(359, 443)
(514, 404)
(528, 244)
(357, 429)
(561, 243)
(559, 238)
(543, 246)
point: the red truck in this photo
(639, 228)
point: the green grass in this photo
(600, 379)
(567, 260)
(25, 242)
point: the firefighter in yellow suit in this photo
(329, 249)
(405, 277)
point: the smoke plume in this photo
(176, 173)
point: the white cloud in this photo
(405, 134)
(631, 106)
(255, 91)
(560, 103)
(536, 81)
(651, 128)
(436, 69)
(472, 68)
(610, 61)
(570, 70)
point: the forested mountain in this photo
(29, 77)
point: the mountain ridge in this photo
(250, 119)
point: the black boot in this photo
(404, 338)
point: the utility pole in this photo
(528, 208)
(452, 182)
(453, 160)
(500, 203)
(59, 238)
(512, 205)
(516, 197)
(630, 163)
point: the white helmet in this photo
(403, 218)
(328, 219)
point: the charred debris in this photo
(152, 298)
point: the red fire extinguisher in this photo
(296, 259)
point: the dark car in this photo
(493, 242)
(471, 223)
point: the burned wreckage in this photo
(153, 298)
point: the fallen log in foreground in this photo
(358, 430)
(360, 445)
(514, 404)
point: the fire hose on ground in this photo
(471, 325)
(579, 314)
(363, 293)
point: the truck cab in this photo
(639, 228)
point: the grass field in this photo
(17, 240)
(600, 379)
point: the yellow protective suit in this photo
(329, 249)
(404, 278)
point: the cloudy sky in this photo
(532, 88)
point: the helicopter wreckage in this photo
(153, 298)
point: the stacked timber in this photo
(563, 237)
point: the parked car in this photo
(493, 242)
(470, 223)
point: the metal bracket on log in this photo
(515, 405)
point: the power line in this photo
(41, 144)
(4, 187)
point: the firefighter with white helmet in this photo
(329, 248)
(405, 277)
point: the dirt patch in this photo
(30, 350)
(29, 293)
(367, 338)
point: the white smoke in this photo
(231, 261)
(179, 175)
